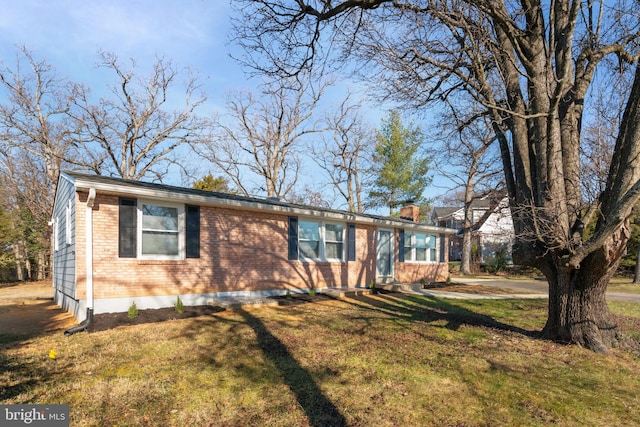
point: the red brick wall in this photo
(239, 250)
(410, 211)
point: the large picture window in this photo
(161, 231)
(419, 247)
(319, 241)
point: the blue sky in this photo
(68, 34)
(192, 33)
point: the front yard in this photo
(384, 360)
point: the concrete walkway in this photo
(416, 289)
(538, 287)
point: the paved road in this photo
(540, 288)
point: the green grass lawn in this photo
(384, 360)
(626, 285)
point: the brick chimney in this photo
(410, 212)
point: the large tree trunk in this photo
(578, 311)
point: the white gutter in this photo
(89, 246)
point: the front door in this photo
(385, 255)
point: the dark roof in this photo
(441, 212)
(221, 196)
(174, 189)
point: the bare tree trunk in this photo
(42, 261)
(465, 264)
(19, 261)
(27, 264)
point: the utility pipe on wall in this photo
(89, 246)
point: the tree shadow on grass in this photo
(430, 309)
(320, 411)
(24, 377)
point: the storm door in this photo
(385, 255)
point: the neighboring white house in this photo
(493, 234)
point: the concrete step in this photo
(257, 301)
(342, 293)
(240, 302)
(400, 287)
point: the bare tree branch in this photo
(263, 137)
(139, 128)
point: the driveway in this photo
(536, 286)
(28, 309)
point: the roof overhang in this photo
(124, 188)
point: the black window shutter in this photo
(127, 228)
(293, 237)
(351, 236)
(401, 245)
(192, 231)
(443, 247)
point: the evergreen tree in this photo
(7, 234)
(400, 168)
(211, 183)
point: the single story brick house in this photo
(117, 242)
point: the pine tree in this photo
(400, 168)
(211, 183)
(7, 234)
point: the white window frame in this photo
(323, 241)
(68, 233)
(180, 232)
(56, 234)
(301, 240)
(410, 247)
(432, 251)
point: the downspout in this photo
(88, 263)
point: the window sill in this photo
(322, 261)
(420, 262)
(160, 261)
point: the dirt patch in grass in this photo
(27, 309)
